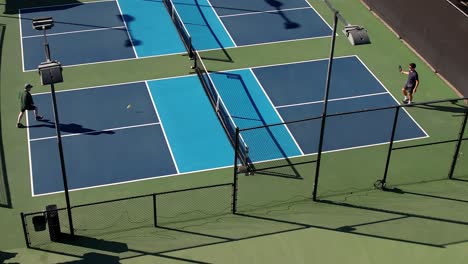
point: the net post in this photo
(390, 148)
(190, 48)
(155, 212)
(25, 231)
(458, 146)
(234, 182)
(217, 102)
(195, 63)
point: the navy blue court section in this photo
(276, 26)
(296, 92)
(260, 21)
(94, 109)
(234, 7)
(79, 48)
(110, 134)
(70, 17)
(353, 130)
(102, 158)
(305, 82)
(82, 33)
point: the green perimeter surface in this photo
(423, 219)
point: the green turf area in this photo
(421, 219)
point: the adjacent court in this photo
(111, 30)
(167, 127)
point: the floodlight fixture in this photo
(42, 23)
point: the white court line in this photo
(21, 39)
(97, 131)
(131, 181)
(224, 26)
(267, 11)
(404, 108)
(61, 5)
(336, 99)
(324, 21)
(162, 127)
(126, 28)
(74, 32)
(278, 114)
(342, 149)
(29, 154)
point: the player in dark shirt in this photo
(411, 84)
(27, 103)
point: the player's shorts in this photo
(29, 108)
(409, 89)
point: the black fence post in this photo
(390, 147)
(234, 182)
(25, 231)
(459, 142)
(155, 212)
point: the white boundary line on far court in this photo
(74, 32)
(276, 111)
(162, 127)
(266, 11)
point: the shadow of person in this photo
(128, 19)
(13, 6)
(6, 255)
(93, 258)
(288, 24)
(71, 128)
(274, 3)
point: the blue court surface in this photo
(158, 128)
(112, 30)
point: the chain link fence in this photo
(128, 214)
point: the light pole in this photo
(51, 73)
(357, 36)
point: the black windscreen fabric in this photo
(435, 29)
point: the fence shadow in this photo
(5, 196)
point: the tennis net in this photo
(183, 32)
(221, 109)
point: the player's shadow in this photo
(71, 128)
(456, 107)
(288, 24)
(128, 19)
(13, 6)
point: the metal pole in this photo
(155, 212)
(62, 160)
(25, 231)
(325, 105)
(390, 146)
(234, 184)
(46, 45)
(457, 148)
